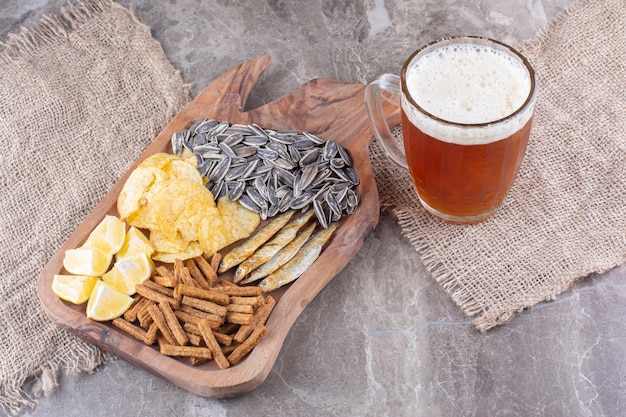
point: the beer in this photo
(462, 183)
(467, 109)
(466, 117)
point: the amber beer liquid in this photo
(466, 117)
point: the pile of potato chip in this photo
(166, 195)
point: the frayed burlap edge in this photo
(14, 394)
(484, 318)
(44, 378)
(21, 389)
(50, 29)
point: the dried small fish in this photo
(271, 248)
(282, 257)
(247, 248)
(305, 257)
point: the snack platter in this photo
(326, 108)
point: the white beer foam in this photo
(468, 84)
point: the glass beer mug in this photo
(467, 105)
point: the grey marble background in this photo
(382, 339)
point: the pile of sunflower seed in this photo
(270, 171)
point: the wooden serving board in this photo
(327, 108)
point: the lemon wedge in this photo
(128, 272)
(108, 235)
(73, 288)
(135, 243)
(87, 261)
(106, 303)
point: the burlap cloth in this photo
(83, 93)
(81, 96)
(565, 216)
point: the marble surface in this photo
(382, 339)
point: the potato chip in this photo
(214, 233)
(158, 160)
(162, 243)
(245, 221)
(189, 157)
(166, 195)
(191, 251)
(146, 216)
(188, 223)
(179, 169)
(174, 199)
(139, 181)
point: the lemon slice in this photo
(86, 261)
(106, 303)
(108, 235)
(73, 288)
(134, 243)
(128, 272)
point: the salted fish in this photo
(271, 248)
(247, 248)
(282, 257)
(305, 257)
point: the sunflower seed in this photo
(304, 144)
(236, 191)
(337, 163)
(282, 163)
(330, 150)
(271, 195)
(256, 197)
(273, 210)
(249, 204)
(294, 154)
(207, 148)
(308, 175)
(343, 154)
(310, 157)
(245, 151)
(235, 172)
(256, 140)
(233, 139)
(313, 138)
(219, 172)
(202, 128)
(271, 171)
(319, 213)
(216, 190)
(177, 143)
(352, 175)
(302, 201)
(267, 154)
(205, 167)
(226, 149)
(261, 186)
(282, 191)
(249, 169)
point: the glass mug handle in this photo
(376, 115)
